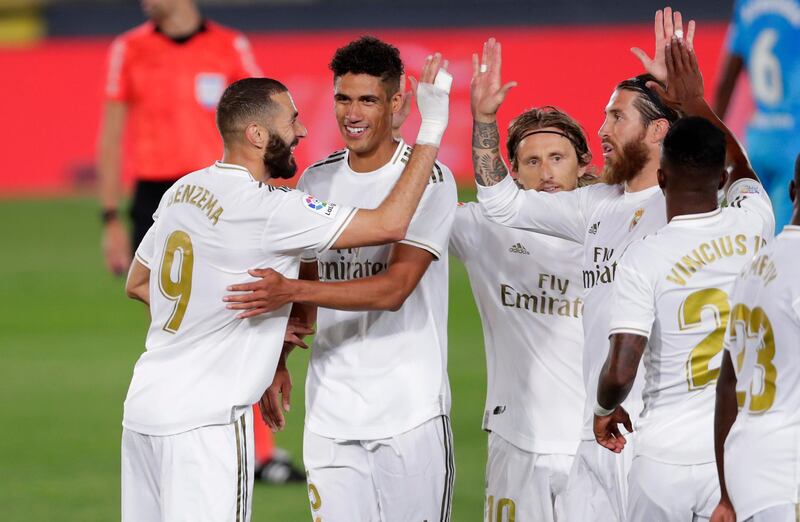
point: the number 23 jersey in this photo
(203, 366)
(673, 287)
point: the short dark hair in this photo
(243, 101)
(547, 116)
(368, 55)
(694, 148)
(649, 104)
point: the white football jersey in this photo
(762, 451)
(605, 219)
(529, 293)
(376, 374)
(674, 288)
(203, 366)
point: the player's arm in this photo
(732, 66)
(685, 93)
(614, 385)
(724, 415)
(138, 284)
(116, 244)
(389, 222)
(385, 291)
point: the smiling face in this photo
(547, 162)
(285, 132)
(364, 112)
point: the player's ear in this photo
(256, 135)
(723, 179)
(662, 179)
(793, 191)
(658, 130)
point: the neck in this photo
(252, 163)
(680, 204)
(647, 177)
(374, 159)
(184, 20)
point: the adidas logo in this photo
(593, 228)
(519, 249)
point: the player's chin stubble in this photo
(278, 158)
(626, 164)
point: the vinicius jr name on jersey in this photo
(345, 265)
(708, 252)
(539, 301)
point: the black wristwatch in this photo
(108, 215)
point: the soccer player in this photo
(671, 303)
(187, 440)
(763, 39)
(163, 83)
(605, 218)
(529, 292)
(757, 450)
(377, 442)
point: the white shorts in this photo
(671, 492)
(403, 478)
(523, 485)
(205, 474)
(597, 488)
(782, 513)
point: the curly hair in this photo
(368, 55)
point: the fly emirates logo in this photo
(549, 299)
(604, 271)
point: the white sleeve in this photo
(302, 222)
(751, 196)
(633, 302)
(465, 231)
(430, 226)
(561, 214)
(310, 255)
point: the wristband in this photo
(602, 412)
(108, 215)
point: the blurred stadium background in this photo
(69, 337)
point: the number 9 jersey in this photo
(203, 366)
(762, 451)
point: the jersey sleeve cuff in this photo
(435, 250)
(630, 328)
(345, 221)
(139, 257)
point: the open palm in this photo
(667, 24)
(487, 91)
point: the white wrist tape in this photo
(433, 101)
(602, 412)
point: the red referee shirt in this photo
(171, 91)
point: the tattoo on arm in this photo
(488, 165)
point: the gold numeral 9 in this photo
(181, 290)
(698, 374)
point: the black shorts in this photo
(146, 197)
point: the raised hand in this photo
(606, 429)
(487, 91)
(667, 25)
(684, 80)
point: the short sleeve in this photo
(464, 233)
(308, 256)
(247, 67)
(751, 196)
(303, 222)
(633, 297)
(146, 249)
(562, 214)
(430, 226)
(117, 71)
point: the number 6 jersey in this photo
(673, 287)
(203, 366)
(762, 451)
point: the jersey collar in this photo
(791, 228)
(180, 40)
(695, 217)
(236, 170)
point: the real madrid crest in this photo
(636, 217)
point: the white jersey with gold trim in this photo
(203, 366)
(605, 219)
(529, 293)
(762, 451)
(377, 374)
(674, 287)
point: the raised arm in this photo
(389, 222)
(685, 93)
(732, 66)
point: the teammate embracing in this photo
(529, 293)
(605, 218)
(671, 305)
(377, 442)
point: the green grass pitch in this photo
(69, 339)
